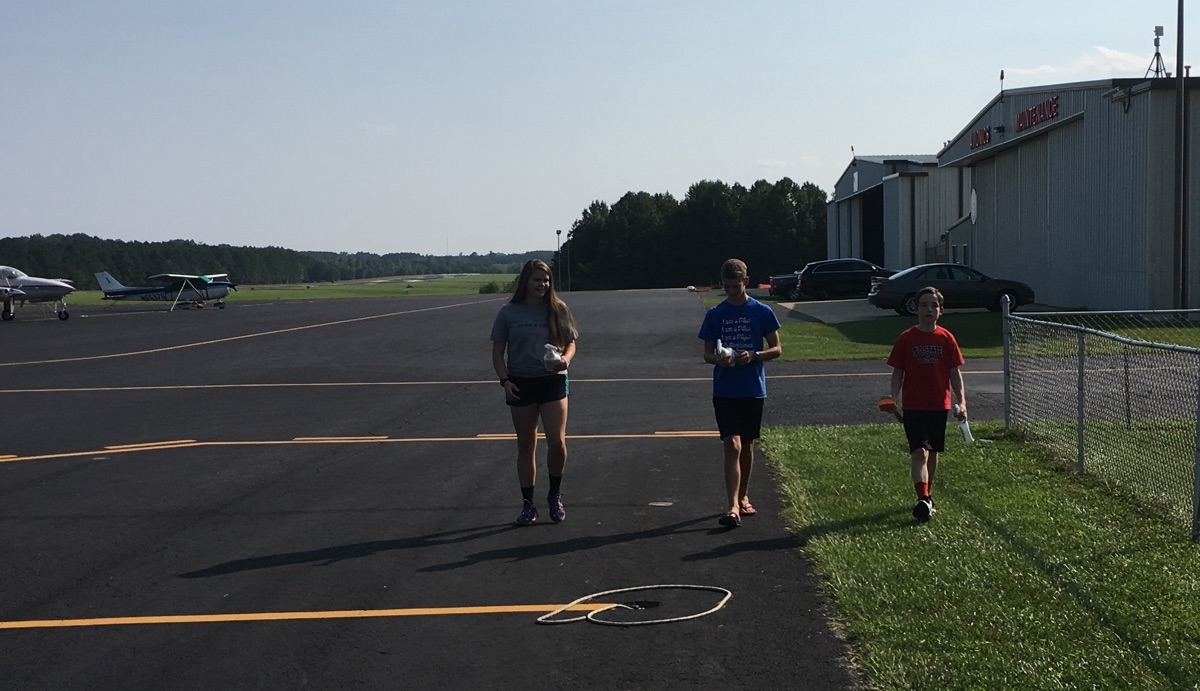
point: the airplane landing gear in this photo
(60, 308)
(8, 314)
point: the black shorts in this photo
(739, 417)
(926, 429)
(539, 390)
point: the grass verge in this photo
(978, 335)
(1027, 577)
(396, 286)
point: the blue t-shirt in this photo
(741, 327)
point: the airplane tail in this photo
(107, 282)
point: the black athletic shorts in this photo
(925, 429)
(539, 390)
(739, 416)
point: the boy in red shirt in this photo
(925, 363)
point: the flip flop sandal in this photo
(730, 520)
(748, 509)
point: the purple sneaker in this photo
(558, 514)
(528, 514)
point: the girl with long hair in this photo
(535, 380)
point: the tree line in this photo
(642, 241)
(655, 241)
(78, 257)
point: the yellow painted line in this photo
(489, 382)
(150, 445)
(359, 438)
(186, 444)
(294, 616)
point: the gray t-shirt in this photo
(523, 327)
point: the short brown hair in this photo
(930, 290)
(733, 269)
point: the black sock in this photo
(555, 484)
(527, 494)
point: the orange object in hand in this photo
(887, 405)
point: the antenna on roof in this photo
(853, 158)
(1156, 64)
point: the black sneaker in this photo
(923, 510)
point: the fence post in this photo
(1079, 393)
(1128, 401)
(1196, 471)
(1006, 338)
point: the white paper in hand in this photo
(722, 351)
(552, 358)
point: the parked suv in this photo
(835, 277)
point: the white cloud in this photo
(1098, 63)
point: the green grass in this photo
(381, 287)
(395, 286)
(1027, 577)
(978, 335)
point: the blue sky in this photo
(462, 126)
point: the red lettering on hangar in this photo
(1038, 114)
(981, 137)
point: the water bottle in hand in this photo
(964, 427)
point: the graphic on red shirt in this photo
(926, 358)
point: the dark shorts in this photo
(925, 429)
(539, 390)
(740, 417)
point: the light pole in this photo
(558, 256)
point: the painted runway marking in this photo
(192, 444)
(489, 382)
(292, 616)
(150, 445)
(215, 341)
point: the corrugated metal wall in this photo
(1081, 208)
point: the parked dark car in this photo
(961, 287)
(785, 285)
(839, 277)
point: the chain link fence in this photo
(1115, 393)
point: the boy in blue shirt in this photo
(741, 324)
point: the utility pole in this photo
(1181, 239)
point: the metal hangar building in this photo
(1070, 188)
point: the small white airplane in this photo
(17, 286)
(193, 290)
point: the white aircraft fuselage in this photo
(177, 288)
(18, 286)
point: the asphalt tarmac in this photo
(320, 494)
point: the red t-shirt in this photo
(926, 358)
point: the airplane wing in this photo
(185, 277)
